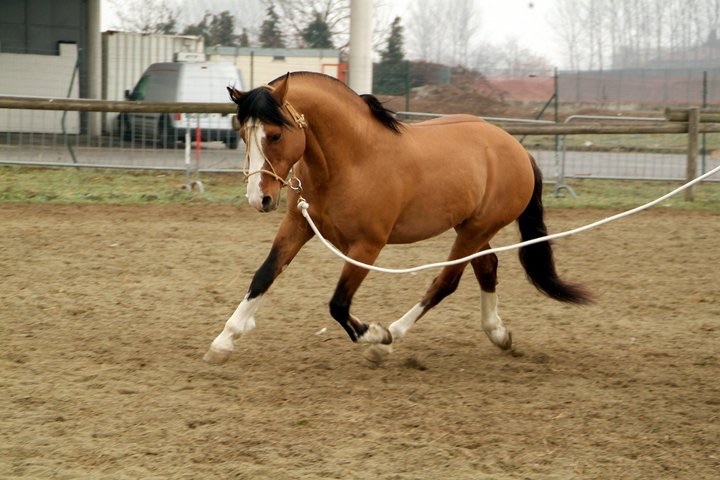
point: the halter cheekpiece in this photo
(298, 117)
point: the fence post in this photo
(693, 127)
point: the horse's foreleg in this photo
(485, 269)
(291, 236)
(350, 280)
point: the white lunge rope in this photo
(303, 206)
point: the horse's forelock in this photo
(260, 105)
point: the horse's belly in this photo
(422, 223)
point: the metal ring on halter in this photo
(297, 186)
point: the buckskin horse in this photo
(370, 180)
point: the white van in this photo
(182, 82)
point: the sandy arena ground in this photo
(105, 313)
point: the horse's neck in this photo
(330, 119)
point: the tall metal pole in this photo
(94, 62)
(360, 58)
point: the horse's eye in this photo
(275, 137)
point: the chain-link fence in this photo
(607, 97)
(641, 87)
(623, 89)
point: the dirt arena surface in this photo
(106, 312)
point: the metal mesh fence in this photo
(155, 140)
(699, 87)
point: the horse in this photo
(372, 180)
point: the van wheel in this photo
(125, 129)
(167, 135)
(232, 142)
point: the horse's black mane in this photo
(385, 115)
(260, 104)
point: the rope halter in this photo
(293, 182)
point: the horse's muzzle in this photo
(268, 203)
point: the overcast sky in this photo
(501, 20)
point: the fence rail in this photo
(90, 105)
(692, 123)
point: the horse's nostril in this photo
(266, 201)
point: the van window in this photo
(138, 92)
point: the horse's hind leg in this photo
(485, 269)
(442, 286)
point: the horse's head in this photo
(274, 136)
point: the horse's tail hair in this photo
(537, 259)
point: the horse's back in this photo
(462, 124)
(450, 120)
(469, 144)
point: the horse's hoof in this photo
(501, 337)
(506, 344)
(216, 357)
(377, 354)
(377, 334)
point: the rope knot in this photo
(298, 117)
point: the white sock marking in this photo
(241, 321)
(491, 322)
(400, 327)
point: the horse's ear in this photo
(235, 95)
(280, 89)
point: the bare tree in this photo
(567, 24)
(146, 16)
(427, 35)
(298, 14)
(631, 33)
(461, 22)
(515, 60)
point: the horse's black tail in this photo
(537, 259)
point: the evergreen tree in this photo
(168, 26)
(222, 29)
(317, 33)
(270, 34)
(244, 39)
(389, 74)
(215, 29)
(393, 52)
(200, 29)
